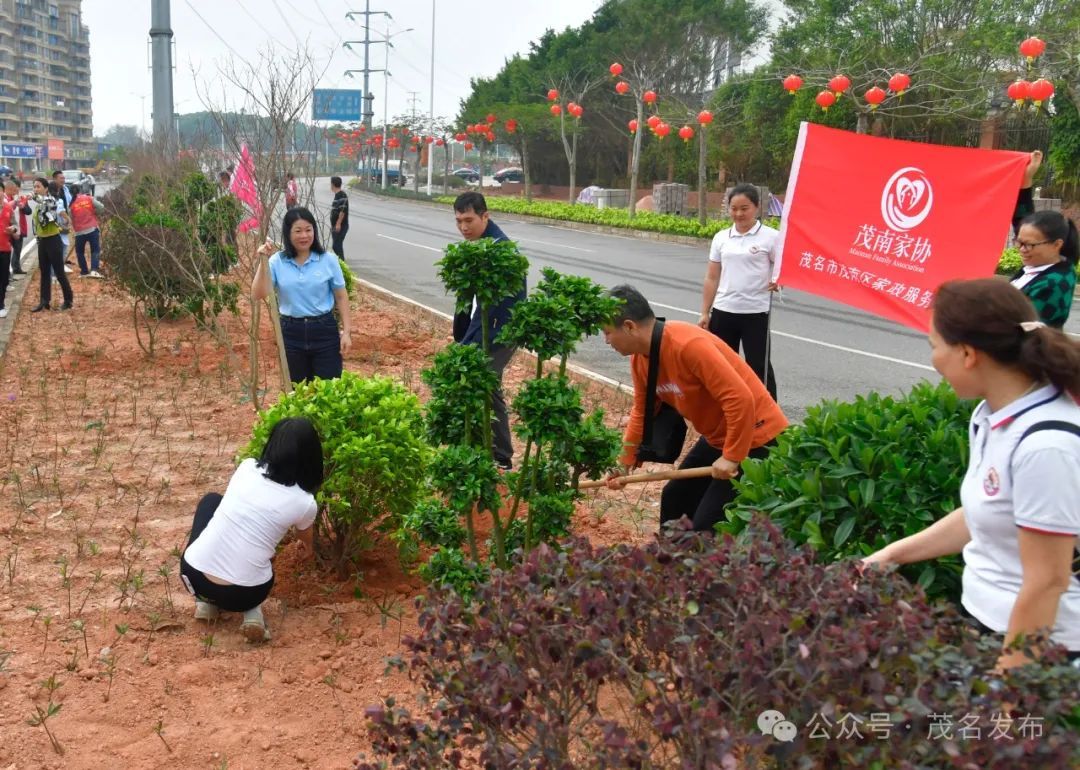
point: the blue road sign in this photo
(336, 104)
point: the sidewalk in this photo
(14, 299)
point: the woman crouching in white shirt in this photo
(227, 562)
(1020, 498)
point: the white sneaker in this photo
(254, 626)
(3, 312)
(95, 274)
(206, 611)
(67, 269)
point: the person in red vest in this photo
(84, 210)
(12, 191)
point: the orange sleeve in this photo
(636, 426)
(732, 395)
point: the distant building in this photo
(46, 117)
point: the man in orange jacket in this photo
(711, 387)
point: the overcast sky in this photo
(472, 39)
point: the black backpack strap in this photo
(1062, 425)
(650, 387)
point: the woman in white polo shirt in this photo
(737, 297)
(226, 565)
(1020, 498)
(310, 285)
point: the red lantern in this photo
(481, 128)
(839, 84)
(653, 121)
(1019, 91)
(468, 146)
(575, 109)
(428, 140)
(1041, 90)
(663, 130)
(490, 136)
(792, 83)
(490, 118)
(393, 143)
(553, 95)
(686, 133)
(649, 97)
(461, 136)
(511, 126)
(622, 87)
(415, 139)
(632, 125)
(874, 96)
(469, 129)
(363, 128)
(615, 69)
(439, 142)
(704, 118)
(1031, 48)
(556, 110)
(413, 148)
(825, 100)
(899, 83)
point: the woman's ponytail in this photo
(1050, 354)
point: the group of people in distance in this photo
(57, 211)
(992, 340)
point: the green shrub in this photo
(350, 279)
(374, 456)
(1010, 261)
(856, 476)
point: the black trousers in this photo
(338, 239)
(5, 274)
(228, 598)
(701, 500)
(502, 445)
(51, 262)
(312, 347)
(752, 331)
(16, 255)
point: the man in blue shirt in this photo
(473, 222)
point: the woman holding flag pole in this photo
(736, 302)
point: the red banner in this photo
(55, 149)
(879, 224)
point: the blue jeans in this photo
(94, 239)
(312, 347)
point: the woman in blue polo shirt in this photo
(737, 296)
(309, 286)
(1020, 499)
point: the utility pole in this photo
(161, 46)
(368, 110)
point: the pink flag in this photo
(243, 187)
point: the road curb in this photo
(585, 227)
(14, 301)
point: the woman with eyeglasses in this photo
(1049, 248)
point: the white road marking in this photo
(408, 243)
(810, 341)
(556, 245)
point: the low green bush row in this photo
(649, 221)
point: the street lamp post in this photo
(431, 103)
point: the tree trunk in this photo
(862, 125)
(525, 168)
(635, 158)
(573, 167)
(702, 178)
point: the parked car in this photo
(467, 174)
(510, 175)
(85, 182)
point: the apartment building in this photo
(46, 118)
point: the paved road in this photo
(820, 349)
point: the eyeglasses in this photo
(1022, 245)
